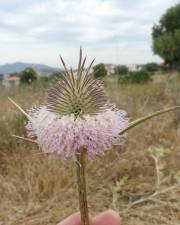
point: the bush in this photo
(121, 70)
(99, 70)
(139, 77)
(53, 76)
(28, 76)
(151, 67)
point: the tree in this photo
(121, 70)
(99, 70)
(151, 67)
(166, 36)
(28, 76)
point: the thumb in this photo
(108, 217)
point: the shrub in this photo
(99, 70)
(151, 67)
(54, 75)
(139, 77)
(28, 76)
(121, 70)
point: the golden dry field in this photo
(141, 180)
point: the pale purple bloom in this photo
(63, 136)
(77, 116)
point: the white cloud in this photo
(38, 8)
(112, 30)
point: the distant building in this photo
(11, 80)
(133, 67)
(110, 68)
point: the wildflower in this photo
(77, 115)
(64, 136)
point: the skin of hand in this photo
(108, 217)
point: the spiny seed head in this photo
(78, 93)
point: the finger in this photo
(108, 217)
(74, 219)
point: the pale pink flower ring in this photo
(63, 136)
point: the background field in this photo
(35, 190)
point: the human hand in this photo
(108, 217)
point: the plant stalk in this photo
(81, 181)
(150, 116)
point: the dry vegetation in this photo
(35, 190)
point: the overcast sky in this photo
(113, 31)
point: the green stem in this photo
(145, 118)
(81, 181)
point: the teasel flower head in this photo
(77, 115)
(77, 94)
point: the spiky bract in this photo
(77, 93)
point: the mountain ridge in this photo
(17, 67)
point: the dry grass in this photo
(35, 190)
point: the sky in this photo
(112, 31)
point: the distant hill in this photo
(17, 67)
